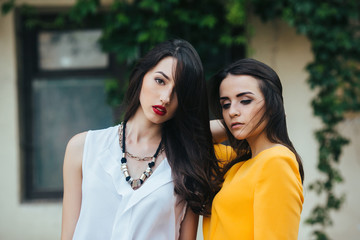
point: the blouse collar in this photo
(110, 161)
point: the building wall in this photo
(278, 45)
(274, 43)
(35, 220)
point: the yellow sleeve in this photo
(278, 199)
(224, 153)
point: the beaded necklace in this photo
(136, 183)
(130, 155)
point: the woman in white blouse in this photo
(151, 176)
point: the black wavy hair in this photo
(187, 136)
(271, 88)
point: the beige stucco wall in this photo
(273, 43)
(38, 220)
(278, 45)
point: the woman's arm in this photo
(189, 226)
(218, 131)
(72, 175)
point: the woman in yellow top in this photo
(262, 194)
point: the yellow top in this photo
(261, 198)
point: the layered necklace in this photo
(136, 183)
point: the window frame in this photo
(28, 69)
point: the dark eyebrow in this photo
(238, 95)
(165, 76)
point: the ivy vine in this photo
(131, 28)
(332, 26)
(216, 28)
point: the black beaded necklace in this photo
(136, 183)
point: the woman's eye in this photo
(245, 102)
(225, 106)
(159, 81)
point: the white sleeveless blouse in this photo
(111, 209)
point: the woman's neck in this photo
(260, 143)
(140, 130)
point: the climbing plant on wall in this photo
(333, 28)
(131, 28)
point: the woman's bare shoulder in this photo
(75, 148)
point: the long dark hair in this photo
(271, 88)
(187, 136)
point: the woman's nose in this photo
(166, 96)
(234, 111)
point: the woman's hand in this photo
(218, 131)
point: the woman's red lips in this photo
(160, 110)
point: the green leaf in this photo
(226, 40)
(122, 19)
(143, 37)
(6, 7)
(236, 12)
(151, 5)
(161, 23)
(208, 21)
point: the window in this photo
(62, 77)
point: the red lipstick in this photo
(160, 110)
